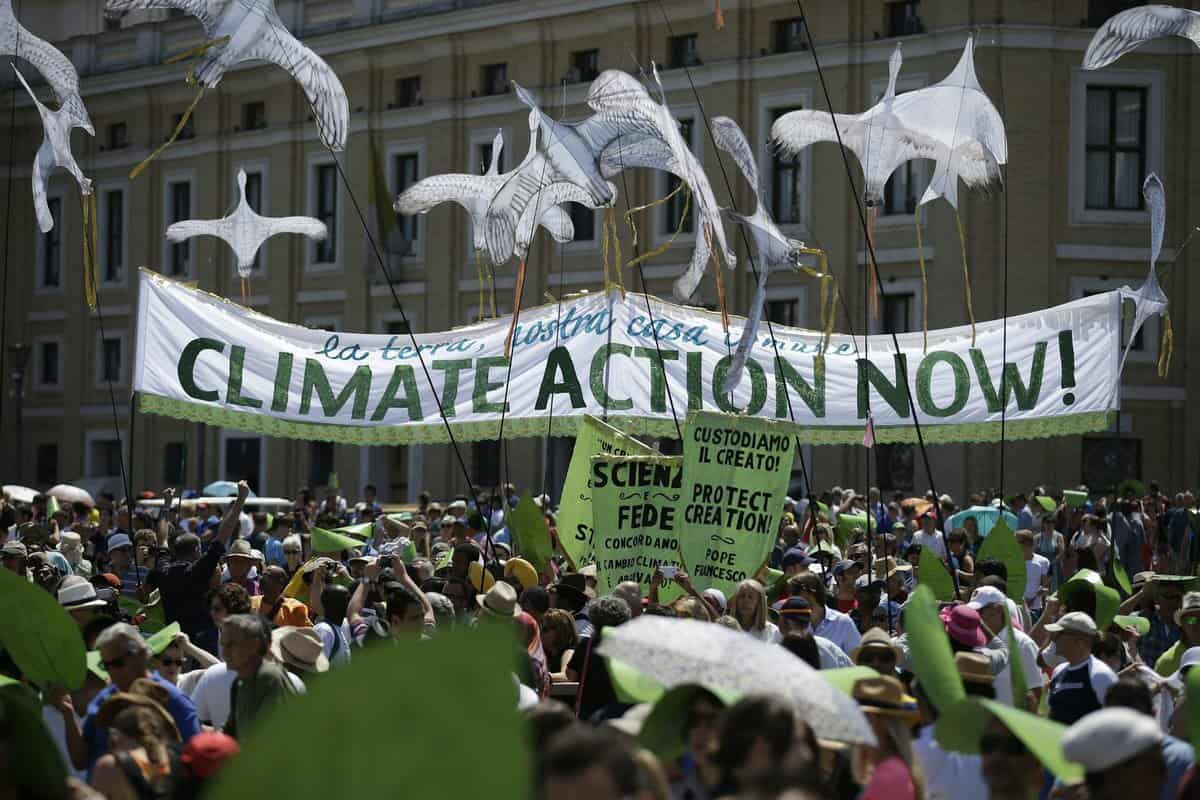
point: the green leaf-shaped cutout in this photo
(39, 634)
(1001, 544)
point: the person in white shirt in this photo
(993, 610)
(828, 622)
(1037, 571)
(330, 603)
(1080, 683)
(929, 537)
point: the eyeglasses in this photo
(1006, 745)
(1190, 619)
(116, 663)
(172, 662)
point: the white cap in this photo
(1190, 658)
(1103, 739)
(986, 596)
(1075, 622)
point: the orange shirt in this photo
(289, 611)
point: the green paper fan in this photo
(1075, 499)
(1107, 599)
(362, 530)
(1047, 503)
(39, 634)
(929, 650)
(662, 730)
(162, 639)
(960, 728)
(324, 541)
(844, 678)
(932, 572)
(1139, 624)
(1001, 544)
(33, 760)
(530, 534)
(632, 686)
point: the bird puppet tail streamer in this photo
(829, 292)
(512, 326)
(719, 16)
(610, 251)
(1166, 347)
(720, 280)
(924, 285)
(194, 54)
(90, 277)
(873, 277)
(687, 200)
(962, 243)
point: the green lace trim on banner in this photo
(535, 427)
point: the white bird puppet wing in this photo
(54, 153)
(1149, 298)
(56, 68)
(878, 137)
(774, 247)
(958, 115)
(245, 231)
(1134, 27)
(251, 30)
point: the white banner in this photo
(204, 358)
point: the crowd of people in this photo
(198, 621)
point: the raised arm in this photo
(229, 523)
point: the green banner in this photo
(575, 510)
(735, 478)
(635, 505)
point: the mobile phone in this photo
(668, 570)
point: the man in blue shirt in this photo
(126, 656)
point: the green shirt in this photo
(248, 697)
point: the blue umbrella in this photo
(222, 489)
(985, 517)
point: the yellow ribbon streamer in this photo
(87, 204)
(924, 285)
(183, 120)
(962, 243)
(720, 280)
(687, 199)
(829, 292)
(1166, 347)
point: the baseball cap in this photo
(986, 596)
(1105, 738)
(843, 566)
(795, 557)
(119, 540)
(1074, 622)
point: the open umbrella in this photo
(674, 652)
(19, 494)
(71, 494)
(222, 489)
(985, 518)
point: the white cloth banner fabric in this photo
(640, 362)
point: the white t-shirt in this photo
(1027, 652)
(331, 635)
(1035, 569)
(948, 775)
(769, 634)
(931, 541)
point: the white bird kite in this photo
(245, 231)
(55, 153)
(251, 30)
(1134, 27)
(55, 67)
(1149, 298)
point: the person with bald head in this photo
(631, 593)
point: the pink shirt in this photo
(891, 780)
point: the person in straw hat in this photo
(300, 650)
(887, 770)
(877, 651)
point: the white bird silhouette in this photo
(256, 33)
(774, 247)
(245, 231)
(55, 67)
(1150, 298)
(55, 153)
(1134, 27)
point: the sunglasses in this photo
(172, 662)
(1007, 745)
(1190, 619)
(291, 552)
(116, 663)
(877, 658)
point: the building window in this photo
(485, 458)
(897, 312)
(110, 360)
(493, 79)
(114, 235)
(47, 464)
(397, 327)
(407, 172)
(118, 136)
(1116, 147)
(585, 66)
(408, 92)
(485, 158)
(583, 219)
(785, 181)
(683, 51)
(181, 209)
(398, 471)
(254, 188)
(50, 271)
(48, 364)
(783, 312)
(189, 128)
(254, 116)
(902, 190)
(904, 18)
(175, 463)
(320, 462)
(894, 467)
(788, 35)
(243, 461)
(325, 252)
(673, 208)
(1106, 461)
(106, 458)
